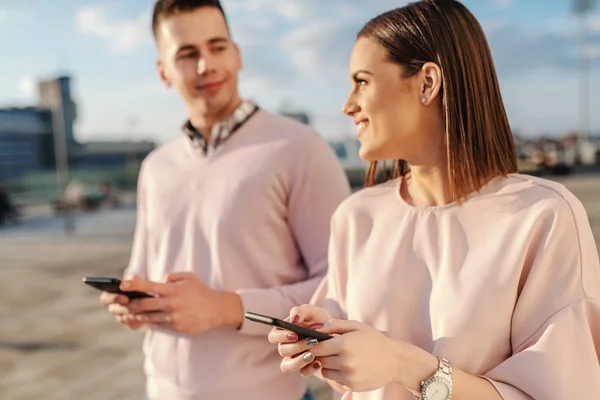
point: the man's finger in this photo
(129, 321)
(112, 298)
(146, 286)
(118, 309)
(340, 326)
(154, 318)
(180, 276)
(139, 306)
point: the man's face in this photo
(198, 57)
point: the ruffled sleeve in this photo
(556, 322)
(560, 361)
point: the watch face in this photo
(437, 390)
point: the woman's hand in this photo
(359, 357)
(295, 352)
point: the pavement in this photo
(56, 342)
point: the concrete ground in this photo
(56, 342)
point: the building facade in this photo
(26, 141)
(37, 138)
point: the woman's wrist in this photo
(413, 365)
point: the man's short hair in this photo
(166, 8)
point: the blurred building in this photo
(55, 97)
(26, 141)
(299, 116)
(93, 154)
(30, 137)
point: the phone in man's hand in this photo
(111, 285)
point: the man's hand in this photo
(184, 304)
(117, 306)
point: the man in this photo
(233, 214)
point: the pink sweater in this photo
(507, 286)
(253, 218)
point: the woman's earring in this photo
(423, 100)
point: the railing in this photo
(41, 187)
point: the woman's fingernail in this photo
(316, 326)
(312, 342)
(291, 336)
(316, 365)
(308, 357)
(295, 319)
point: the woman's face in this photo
(387, 107)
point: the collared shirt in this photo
(222, 130)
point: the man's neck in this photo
(204, 123)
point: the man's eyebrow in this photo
(186, 47)
(219, 39)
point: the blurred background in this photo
(81, 106)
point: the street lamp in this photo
(581, 8)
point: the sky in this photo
(296, 56)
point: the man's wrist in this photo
(232, 311)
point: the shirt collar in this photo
(222, 130)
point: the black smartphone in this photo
(303, 333)
(111, 285)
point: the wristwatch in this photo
(439, 386)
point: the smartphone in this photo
(111, 285)
(303, 333)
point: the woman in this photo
(457, 278)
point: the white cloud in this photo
(308, 10)
(251, 31)
(122, 35)
(320, 49)
(27, 87)
(293, 10)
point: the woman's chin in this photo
(367, 154)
